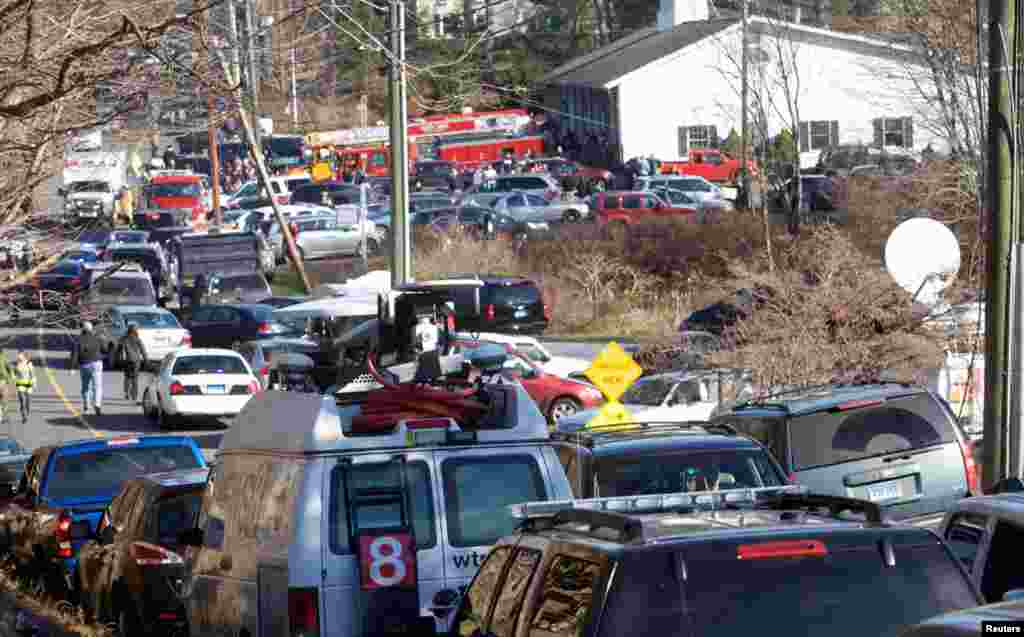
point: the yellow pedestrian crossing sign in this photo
(611, 417)
(613, 371)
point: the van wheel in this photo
(561, 408)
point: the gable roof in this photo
(632, 52)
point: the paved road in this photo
(57, 400)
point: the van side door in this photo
(341, 587)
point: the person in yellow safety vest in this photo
(127, 204)
(25, 382)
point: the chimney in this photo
(672, 13)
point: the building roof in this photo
(632, 52)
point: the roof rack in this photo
(659, 503)
(650, 427)
(766, 400)
(835, 504)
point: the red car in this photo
(555, 396)
(626, 208)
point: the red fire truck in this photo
(468, 138)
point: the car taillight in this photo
(303, 612)
(265, 370)
(149, 555)
(186, 340)
(62, 534)
(265, 328)
(450, 322)
(153, 216)
(489, 312)
(281, 199)
(547, 312)
(254, 387)
(177, 389)
(791, 478)
(970, 467)
(76, 281)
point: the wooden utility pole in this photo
(1001, 195)
(745, 99)
(214, 157)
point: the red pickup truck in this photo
(711, 164)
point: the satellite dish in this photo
(923, 257)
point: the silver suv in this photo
(892, 443)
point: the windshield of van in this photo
(849, 591)
(836, 436)
(137, 290)
(100, 473)
(704, 471)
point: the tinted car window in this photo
(644, 598)
(476, 605)
(802, 597)
(524, 294)
(964, 536)
(193, 365)
(174, 515)
(478, 492)
(901, 424)
(682, 472)
(569, 589)
(350, 479)
(96, 473)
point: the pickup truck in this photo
(215, 252)
(64, 492)
(711, 164)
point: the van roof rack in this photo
(768, 400)
(585, 434)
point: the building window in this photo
(696, 137)
(894, 131)
(818, 135)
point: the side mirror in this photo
(1014, 595)
(191, 537)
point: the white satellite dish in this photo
(923, 257)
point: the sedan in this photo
(530, 207)
(223, 325)
(199, 383)
(159, 331)
(480, 222)
(555, 396)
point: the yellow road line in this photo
(57, 388)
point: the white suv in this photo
(564, 366)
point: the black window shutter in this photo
(714, 143)
(833, 133)
(879, 134)
(804, 133)
(908, 132)
(684, 141)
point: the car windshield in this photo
(520, 294)
(10, 447)
(154, 320)
(89, 186)
(242, 283)
(125, 288)
(96, 474)
(799, 596)
(172, 190)
(649, 392)
(208, 364)
(686, 472)
(877, 428)
(176, 514)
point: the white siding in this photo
(699, 85)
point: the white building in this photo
(667, 89)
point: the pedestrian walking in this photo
(25, 383)
(130, 353)
(87, 356)
(6, 380)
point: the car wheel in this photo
(571, 216)
(562, 407)
(372, 246)
(148, 408)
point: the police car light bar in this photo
(650, 503)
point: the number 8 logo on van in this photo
(387, 560)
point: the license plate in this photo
(85, 213)
(215, 389)
(883, 492)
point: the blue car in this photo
(65, 490)
(81, 256)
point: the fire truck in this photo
(467, 138)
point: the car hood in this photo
(564, 365)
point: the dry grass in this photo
(59, 613)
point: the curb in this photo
(20, 622)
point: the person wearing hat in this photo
(87, 356)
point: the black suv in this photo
(509, 305)
(790, 563)
(650, 458)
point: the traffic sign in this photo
(612, 416)
(613, 371)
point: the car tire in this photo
(571, 216)
(562, 407)
(372, 247)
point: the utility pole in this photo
(401, 253)
(295, 93)
(250, 20)
(211, 132)
(1002, 29)
(744, 97)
